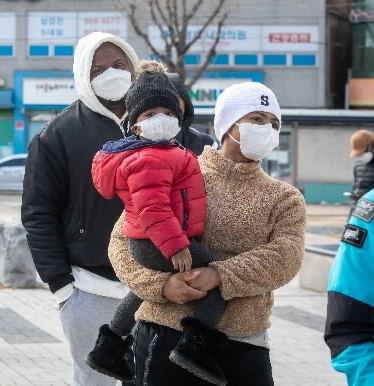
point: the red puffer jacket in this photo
(162, 188)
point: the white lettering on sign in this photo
(289, 37)
(293, 38)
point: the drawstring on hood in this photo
(83, 57)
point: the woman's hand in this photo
(177, 289)
(207, 279)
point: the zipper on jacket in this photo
(185, 209)
(122, 128)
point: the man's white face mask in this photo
(112, 84)
(256, 141)
(160, 127)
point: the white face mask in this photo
(366, 157)
(112, 84)
(256, 141)
(159, 127)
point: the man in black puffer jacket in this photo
(68, 223)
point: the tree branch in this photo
(173, 18)
(211, 53)
(206, 24)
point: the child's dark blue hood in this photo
(132, 143)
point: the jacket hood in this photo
(132, 143)
(107, 161)
(83, 56)
(189, 113)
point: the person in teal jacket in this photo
(349, 330)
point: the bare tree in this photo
(173, 18)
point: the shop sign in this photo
(110, 22)
(51, 27)
(66, 28)
(204, 92)
(49, 91)
(235, 38)
(290, 38)
(232, 38)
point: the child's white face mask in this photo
(159, 127)
(112, 84)
(256, 141)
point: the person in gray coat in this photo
(362, 148)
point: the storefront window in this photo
(35, 121)
(363, 41)
(278, 163)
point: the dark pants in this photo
(207, 310)
(243, 364)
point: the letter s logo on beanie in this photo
(264, 100)
(240, 99)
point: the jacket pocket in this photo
(73, 228)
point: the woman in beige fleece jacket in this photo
(255, 225)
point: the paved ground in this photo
(33, 351)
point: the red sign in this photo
(19, 125)
(292, 37)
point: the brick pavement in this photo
(33, 351)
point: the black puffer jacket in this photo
(67, 221)
(363, 178)
(62, 227)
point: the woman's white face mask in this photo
(256, 141)
(112, 84)
(160, 127)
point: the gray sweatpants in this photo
(81, 317)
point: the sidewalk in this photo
(33, 351)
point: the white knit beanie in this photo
(240, 99)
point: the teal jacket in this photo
(350, 308)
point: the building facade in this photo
(301, 50)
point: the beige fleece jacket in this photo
(255, 224)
